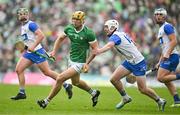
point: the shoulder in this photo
(168, 28)
(115, 35)
(32, 26)
(68, 27)
(119, 34)
(168, 25)
(32, 23)
(115, 38)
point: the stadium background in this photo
(135, 18)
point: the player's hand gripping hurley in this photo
(19, 45)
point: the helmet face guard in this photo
(160, 15)
(161, 11)
(23, 12)
(111, 26)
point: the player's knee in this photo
(75, 83)
(142, 90)
(113, 80)
(60, 79)
(46, 73)
(160, 79)
(18, 71)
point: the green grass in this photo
(80, 104)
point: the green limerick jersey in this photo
(79, 42)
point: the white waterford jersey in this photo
(126, 47)
(27, 34)
(165, 30)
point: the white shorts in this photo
(77, 66)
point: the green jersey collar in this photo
(80, 29)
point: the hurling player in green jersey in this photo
(81, 38)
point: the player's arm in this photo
(113, 40)
(38, 34)
(158, 64)
(94, 46)
(107, 47)
(169, 30)
(59, 41)
(39, 37)
(172, 44)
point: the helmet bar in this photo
(160, 11)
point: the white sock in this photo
(125, 96)
(46, 101)
(93, 92)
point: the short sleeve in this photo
(33, 27)
(168, 29)
(65, 29)
(116, 39)
(91, 36)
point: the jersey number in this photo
(160, 40)
(25, 37)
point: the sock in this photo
(123, 93)
(92, 92)
(177, 76)
(65, 85)
(46, 101)
(21, 90)
(176, 98)
(157, 99)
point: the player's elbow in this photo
(42, 36)
(175, 42)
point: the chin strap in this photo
(112, 33)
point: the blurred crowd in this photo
(135, 18)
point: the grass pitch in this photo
(81, 104)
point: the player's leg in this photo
(139, 70)
(22, 64)
(45, 69)
(118, 74)
(142, 87)
(83, 85)
(141, 83)
(67, 74)
(173, 91)
(166, 73)
(167, 67)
